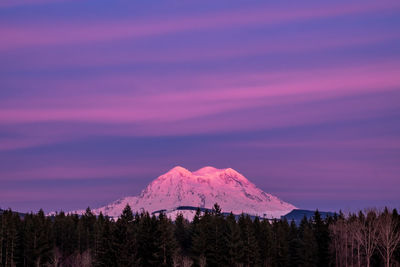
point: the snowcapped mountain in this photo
(202, 188)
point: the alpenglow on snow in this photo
(203, 188)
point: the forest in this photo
(368, 238)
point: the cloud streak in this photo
(91, 57)
(25, 3)
(68, 34)
(74, 172)
(299, 97)
(293, 88)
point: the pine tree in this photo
(124, 238)
(321, 233)
(38, 241)
(19, 248)
(105, 252)
(182, 234)
(147, 243)
(2, 238)
(250, 248)
(87, 237)
(281, 245)
(9, 238)
(265, 243)
(166, 244)
(198, 239)
(295, 246)
(98, 231)
(258, 233)
(309, 248)
(216, 231)
(233, 241)
(71, 235)
(207, 237)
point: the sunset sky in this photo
(98, 98)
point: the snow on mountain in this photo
(202, 188)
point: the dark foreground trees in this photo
(371, 238)
(366, 239)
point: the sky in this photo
(98, 98)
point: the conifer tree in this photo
(105, 252)
(265, 243)
(208, 238)
(233, 241)
(216, 231)
(9, 238)
(295, 246)
(2, 238)
(198, 239)
(321, 233)
(309, 248)
(257, 233)
(166, 244)
(19, 248)
(182, 234)
(250, 248)
(124, 238)
(87, 236)
(281, 231)
(147, 247)
(98, 231)
(38, 245)
(59, 228)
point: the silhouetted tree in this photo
(309, 245)
(388, 235)
(210, 239)
(233, 241)
(124, 238)
(322, 238)
(249, 253)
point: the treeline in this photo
(211, 239)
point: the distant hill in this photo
(22, 215)
(297, 215)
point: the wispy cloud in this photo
(24, 3)
(98, 31)
(294, 95)
(326, 143)
(166, 107)
(94, 57)
(74, 172)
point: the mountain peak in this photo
(180, 171)
(206, 170)
(203, 188)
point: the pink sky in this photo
(98, 99)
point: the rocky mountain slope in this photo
(202, 188)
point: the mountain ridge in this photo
(201, 188)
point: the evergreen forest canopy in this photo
(368, 238)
